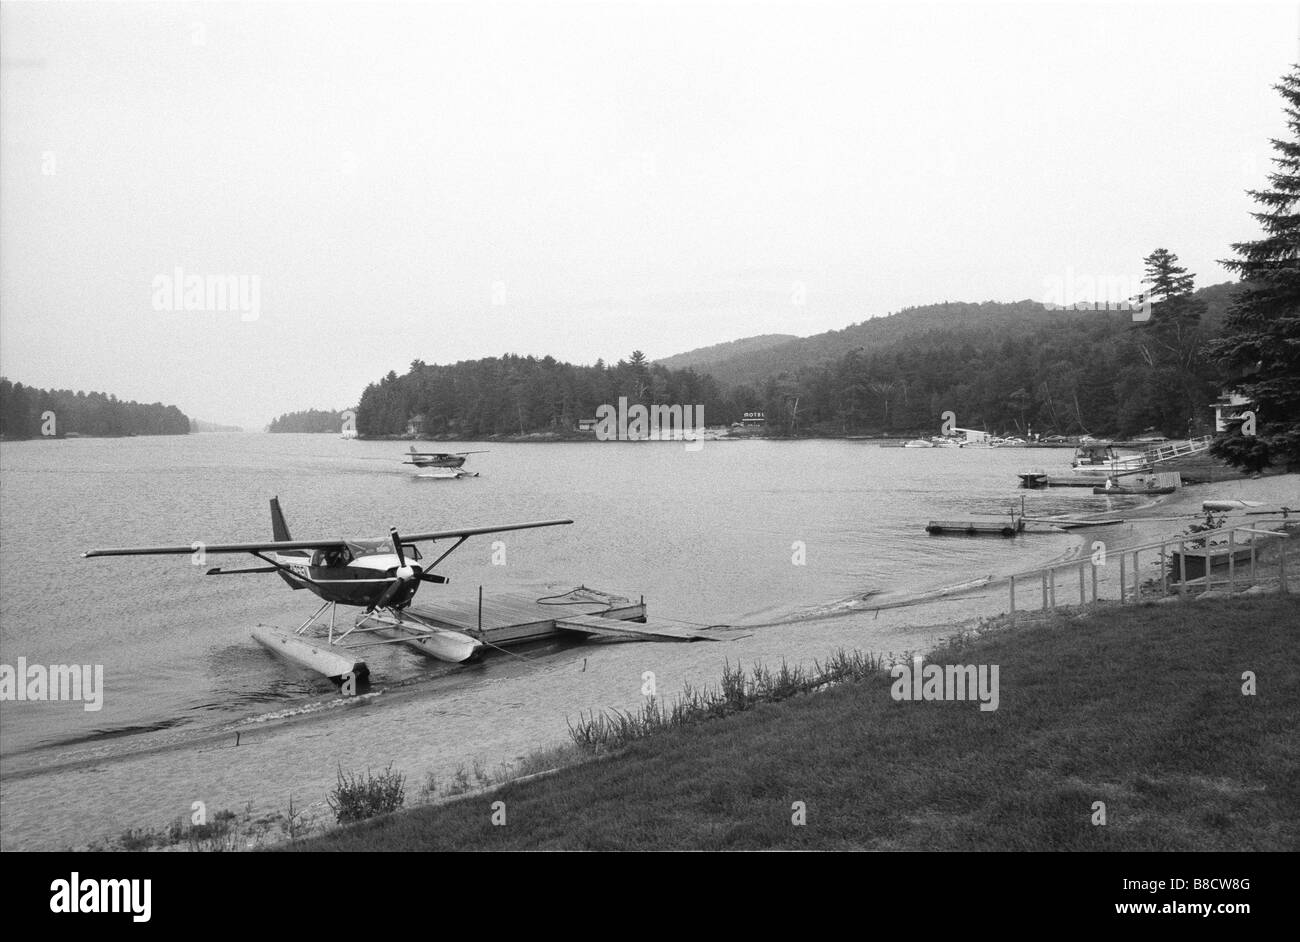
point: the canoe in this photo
(1126, 489)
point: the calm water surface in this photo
(708, 537)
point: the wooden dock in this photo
(597, 626)
(514, 618)
(460, 630)
(1160, 482)
(1074, 523)
(975, 527)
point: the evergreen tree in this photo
(1166, 278)
(1172, 383)
(1260, 344)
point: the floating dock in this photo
(1160, 482)
(516, 617)
(460, 630)
(1034, 481)
(1074, 523)
(975, 527)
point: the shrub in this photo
(356, 798)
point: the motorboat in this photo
(1101, 459)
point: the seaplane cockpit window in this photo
(334, 557)
(411, 551)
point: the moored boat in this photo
(1129, 489)
(1033, 479)
(1103, 459)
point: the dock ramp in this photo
(1174, 450)
(633, 631)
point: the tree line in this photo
(517, 395)
(28, 412)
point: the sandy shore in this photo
(488, 716)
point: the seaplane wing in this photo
(268, 547)
(272, 546)
(475, 531)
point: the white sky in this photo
(621, 176)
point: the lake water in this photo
(708, 537)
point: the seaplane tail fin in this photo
(279, 529)
(280, 533)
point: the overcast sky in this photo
(449, 182)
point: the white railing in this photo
(1218, 546)
(1177, 449)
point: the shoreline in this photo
(1182, 755)
(425, 727)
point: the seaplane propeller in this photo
(405, 576)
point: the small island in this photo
(309, 420)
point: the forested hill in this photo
(27, 412)
(755, 359)
(1007, 368)
(308, 420)
(512, 395)
(703, 357)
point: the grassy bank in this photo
(1140, 708)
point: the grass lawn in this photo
(1137, 707)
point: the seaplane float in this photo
(381, 576)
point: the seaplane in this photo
(380, 576)
(441, 464)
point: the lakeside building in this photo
(1228, 408)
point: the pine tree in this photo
(1260, 345)
(1173, 389)
(1166, 278)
